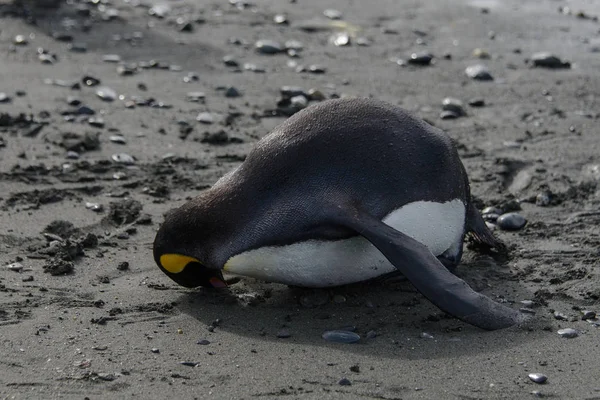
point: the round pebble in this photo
(587, 314)
(511, 221)
(341, 336)
(344, 382)
(340, 39)
(538, 378)
(479, 72)
(568, 333)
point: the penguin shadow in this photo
(392, 319)
(68, 22)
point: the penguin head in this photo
(181, 250)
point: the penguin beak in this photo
(190, 272)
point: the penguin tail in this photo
(479, 231)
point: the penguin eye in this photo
(175, 263)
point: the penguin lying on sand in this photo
(341, 192)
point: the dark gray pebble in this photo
(96, 122)
(477, 102)
(479, 72)
(511, 221)
(454, 105)
(268, 47)
(568, 333)
(538, 378)
(90, 81)
(73, 101)
(78, 47)
(548, 60)
(230, 61)
(85, 110)
(203, 342)
(284, 334)
(123, 266)
(188, 363)
(344, 382)
(449, 115)
(232, 92)
(341, 336)
(587, 314)
(420, 58)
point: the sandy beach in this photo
(114, 112)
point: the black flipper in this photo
(444, 289)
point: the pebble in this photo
(341, 336)
(90, 81)
(477, 102)
(230, 61)
(315, 94)
(560, 316)
(316, 69)
(4, 98)
(123, 266)
(588, 314)
(106, 94)
(118, 139)
(203, 342)
(73, 101)
(17, 267)
(72, 155)
(85, 110)
(155, 350)
(191, 77)
(106, 376)
(449, 115)
(299, 102)
(284, 334)
(160, 10)
(568, 333)
(123, 158)
(479, 72)
(219, 137)
(96, 122)
(293, 44)
(332, 14)
(421, 58)
(268, 47)
(94, 207)
(548, 60)
(196, 96)
(538, 378)
(425, 335)
(254, 68)
(344, 382)
(232, 92)
(205, 118)
(481, 53)
(340, 39)
(46, 58)
(127, 70)
(511, 221)
(454, 105)
(78, 47)
(188, 363)
(111, 58)
(542, 199)
(280, 19)
(20, 40)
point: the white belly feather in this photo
(316, 263)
